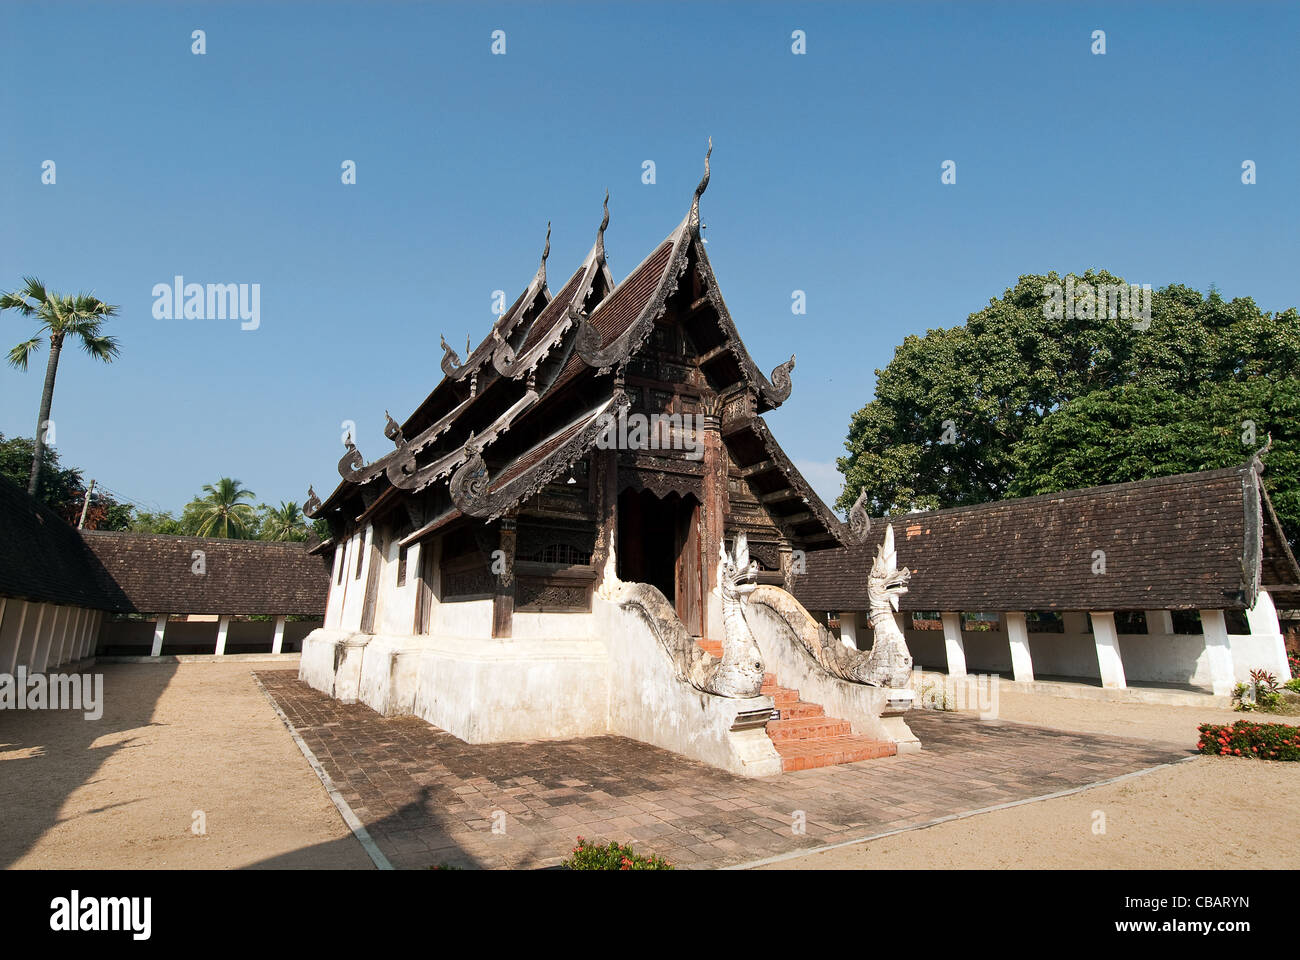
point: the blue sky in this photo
(225, 168)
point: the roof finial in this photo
(600, 234)
(1256, 461)
(699, 192)
(547, 252)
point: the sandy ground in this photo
(122, 791)
(178, 738)
(1208, 812)
(1140, 721)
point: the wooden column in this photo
(713, 510)
(503, 599)
(603, 491)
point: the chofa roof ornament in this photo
(782, 385)
(859, 522)
(351, 463)
(600, 234)
(694, 220)
(1256, 461)
(312, 504)
(450, 358)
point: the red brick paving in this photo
(428, 798)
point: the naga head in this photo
(886, 582)
(736, 572)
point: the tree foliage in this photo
(60, 488)
(58, 317)
(1019, 400)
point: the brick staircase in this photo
(802, 733)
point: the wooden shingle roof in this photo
(1205, 540)
(44, 560)
(156, 574)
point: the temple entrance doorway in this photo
(659, 544)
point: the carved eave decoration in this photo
(502, 329)
(771, 392)
(834, 528)
(504, 359)
(476, 494)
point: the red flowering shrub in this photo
(611, 856)
(1294, 662)
(1265, 741)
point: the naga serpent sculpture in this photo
(739, 674)
(889, 662)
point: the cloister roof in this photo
(1205, 540)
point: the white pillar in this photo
(30, 643)
(953, 644)
(1022, 664)
(41, 661)
(1218, 652)
(278, 644)
(159, 628)
(66, 636)
(92, 641)
(84, 640)
(849, 628)
(1106, 638)
(1263, 621)
(11, 634)
(223, 628)
(1159, 622)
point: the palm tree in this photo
(222, 512)
(284, 522)
(59, 316)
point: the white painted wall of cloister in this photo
(1213, 659)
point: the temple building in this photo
(588, 528)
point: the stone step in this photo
(808, 728)
(798, 710)
(828, 751)
(777, 692)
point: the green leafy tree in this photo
(58, 317)
(60, 488)
(57, 484)
(285, 522)
(223, 511)
(951, 407)
(161, 521)
(1132, 433)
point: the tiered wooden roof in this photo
(529, 400)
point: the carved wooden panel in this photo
(552, 595)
